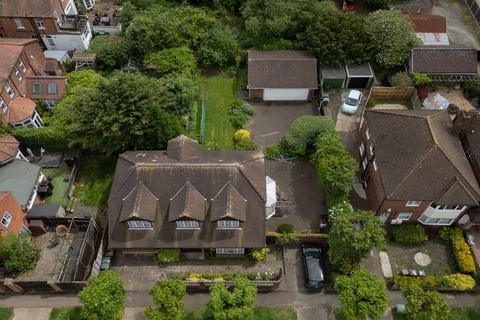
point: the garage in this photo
(285, 94)
(282, 75)
(332, 78)
(359, 76)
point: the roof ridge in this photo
(430, 130)
(401, 114)
(466, 189)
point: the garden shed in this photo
(359, 76)
(332, 78)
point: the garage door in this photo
(285, 94)
(358, 82)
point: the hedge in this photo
(463, 256)
(409, 234)
(451, 281)
(167, 255)
(262, 276)
(50, 138)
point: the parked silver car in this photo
(351, 102)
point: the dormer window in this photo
(228, 224)
(139, 225)
(187, 224)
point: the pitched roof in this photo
(139, 203)
(187, 203)
(19, 177)
(444, 60)
(420, 157)
(182, 148)
(428, 23)
(168, 179)
(282, 69)
(8, 148)
(20, 109)
(11, 48)
(228, 203)
(28, 8)
(8, 203)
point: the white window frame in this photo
(9, 90)
(361, 149)
(413, 203)
(139, 225)
(406, 216)
(22, 66)
(39, 88)
(52, 85)
(228, 224)
(364, 163)
(371, 149)
(230, 250)
(435, 221)
(40, 24)
(375, 167)
(19, 24)
(3, 105)
(6, 219)
(367, 133)
(24, 229)
(18, 74)
(187, 224)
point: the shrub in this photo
(406, 281)
(172, 60)
(458, 281)
(272, 234)
(18, 253)
(242, 134)
(285, 238)
(50, 138)
(421, 79)
(273, 152)
(450, 234)
(239, 112)
(167, 255)
(242, 142)
(463, 256)
(285, 228)
(401, 80)
(260, 254)
(409, 234)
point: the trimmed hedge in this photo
(260, 254)
(285, 228)
(463, 256)
(409, 234)
(456, 281)
(167, 255)
(50, 138)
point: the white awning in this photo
(271, 197)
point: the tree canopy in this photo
(338, 38)
(393, 36)
(428, 304)
(103, 297)
(232, 305)
(124, 112)
(362, 296)
(167, 295)
(18, 253)
(353, 234)
(220, 46)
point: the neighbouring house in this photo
(283, 75)
(212, 202)
(9, 149)
(430, 29)
(26, 76)
(413, 167)
(445, 63)
(56, 22)
(13, 217)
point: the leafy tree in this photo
(171, 60)
(338, 38)
(103, 297)
(362, 296)
(352, 236)
(185, 90)
(233, 304)
(301, 135)
(401, 80)
(167, 295)
(18, 253)
(50, 138)
(428, 304)
(111, 52)
(278, 22)
(220, 46)
(393, 36)
(124, 112)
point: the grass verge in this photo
(73, 313)
(59, 186)
(464, 313)
(260, 313)
(6, 313)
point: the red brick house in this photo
(25, 76)
(13, 218)
(413, 167)
(55, 22)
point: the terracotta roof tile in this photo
(8, 148)
(20, 109)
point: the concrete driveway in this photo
(347, 125)
(270, 122)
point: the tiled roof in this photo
(8, 148)
(20, 109)
(428, 23)
(444, 60)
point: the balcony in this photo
(73, 23)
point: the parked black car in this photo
(313, 265)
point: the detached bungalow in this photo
(197, 201)
(284, 75)
(445, 63)
(414, 169)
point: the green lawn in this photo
(94, 180)
(219, 93)
(66, 314)
(6, 313)
(59, 186)
(261, 313)
(456, 314)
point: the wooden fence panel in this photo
(391, 92)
